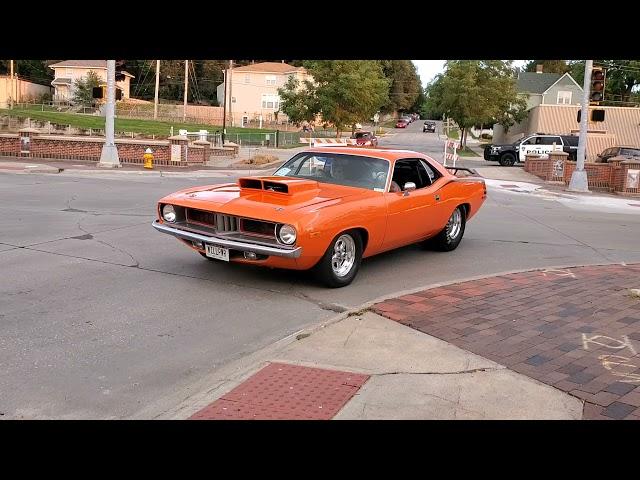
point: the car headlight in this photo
(287, 234)
(169, 213)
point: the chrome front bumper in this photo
(225, 242)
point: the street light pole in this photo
(155, 104)
(109, 157)
(186, 86)
(224, 105)
(230, 93)
(579, 181)
(12, 88)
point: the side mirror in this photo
(409, 187)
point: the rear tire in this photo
(341, 262)
(451, 235)
(507, 159)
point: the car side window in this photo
(432, 173)
(528, 141)
(409, 170)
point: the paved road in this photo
(100, 315)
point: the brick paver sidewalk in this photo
(577, 329)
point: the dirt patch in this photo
(260, 159)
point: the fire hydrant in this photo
(148, 158)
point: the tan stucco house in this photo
(68, 71)
(254, 91)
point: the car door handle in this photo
(437, 197)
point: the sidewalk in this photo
(544, 344)
(74, 167)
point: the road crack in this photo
(459, 372)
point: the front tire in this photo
(341, 262)
(451, 235)
(507, 159)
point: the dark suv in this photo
(429, 126)
(616, 152)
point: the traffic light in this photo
(596, 95)
(597, 115)
(120, 69)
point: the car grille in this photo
(226, 223)
(222, 223)
(199, 216)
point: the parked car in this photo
(365, 139)
(429, 126)
(540, 143)
(326, 209)
(402, 123)
(611, 152)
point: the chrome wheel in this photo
(454, 225)
(344, 255)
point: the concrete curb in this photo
(232, 374)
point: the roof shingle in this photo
(268, 67)
(532, 82)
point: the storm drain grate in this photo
(286, 392)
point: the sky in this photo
(427, 69)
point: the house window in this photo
(564, 98)
(271, 79)
(270, 102)
(247, 78)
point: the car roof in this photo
(380, 152)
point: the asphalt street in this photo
(101, 316)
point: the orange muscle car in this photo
(326, 208)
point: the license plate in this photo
(219, 253)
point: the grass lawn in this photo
(454, 134)
(147, 127)
(467, 152)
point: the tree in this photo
(344, 92)
(548, 66)
(298, 100)
(472, 92)
(405, 85)
(419, 105)
(83, 88)
(35, 71)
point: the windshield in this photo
(362, 134)
(339, 169)
(634, 152)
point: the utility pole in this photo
(230, 85)
(224, 105)
(579, 181)
(109, 157)
(186, 86)
(12, 88)
(155, 104)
